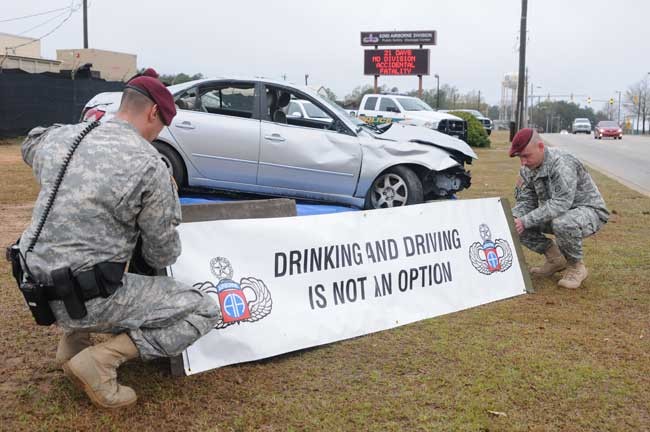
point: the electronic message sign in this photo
(396, 62)
(426, 37)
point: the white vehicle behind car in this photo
(299, 108)
(581, 125)
(381, 109)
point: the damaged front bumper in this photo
(445, 184)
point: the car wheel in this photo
(173, 161)
(398, 186)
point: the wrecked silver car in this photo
(237, 135)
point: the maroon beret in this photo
(520, 140)
(149, 85)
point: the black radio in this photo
(34, 293)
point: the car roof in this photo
(177, 87)
(307, 90)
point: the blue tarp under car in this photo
(302, 208)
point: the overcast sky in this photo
(591, 47)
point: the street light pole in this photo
(618, 117)
(437, 92)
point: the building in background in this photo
(19, 52)
(24, 53)
(111, 65)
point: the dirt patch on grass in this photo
(554, 360)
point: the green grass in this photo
(556, 360)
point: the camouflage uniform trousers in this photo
(161, 315)
(569, 230)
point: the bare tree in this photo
(637, 102)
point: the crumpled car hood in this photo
(422, 135)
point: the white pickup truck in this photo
(381, 108)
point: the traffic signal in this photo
(589, 100)
(611, 101)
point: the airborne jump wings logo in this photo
(490, 256)
(249, 300)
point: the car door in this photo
(218, 126)
(389, 111)
(304, 154)
(367, 112)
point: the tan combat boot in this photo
(71, 344)
(555, 262)
(94, 370)
(576, 273)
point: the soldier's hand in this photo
(519, 226)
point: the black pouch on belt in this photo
(108, 276)
(68, 291)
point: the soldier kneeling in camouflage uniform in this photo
(116, 189)
(555, 194)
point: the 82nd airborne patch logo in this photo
(249, 300)
(490, 256)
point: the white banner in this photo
(290, 283)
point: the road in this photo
(626, 160)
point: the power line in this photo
(43, 23)
(34, 15)
(72, 10)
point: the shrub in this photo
(476, 135)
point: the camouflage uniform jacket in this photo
(116, 189)
(559, 184)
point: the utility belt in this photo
(100, 281)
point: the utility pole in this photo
(306, 78)
(284, 76)
(85, 23)
(479, 100)
(522, 65)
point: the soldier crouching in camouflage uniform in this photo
(116, 189)
(556, 195)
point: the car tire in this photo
(173, 161)
(395, 187)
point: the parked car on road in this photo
(486, 122)
(606, 128)
(581, 125)
(238, 135)
(382, 109)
